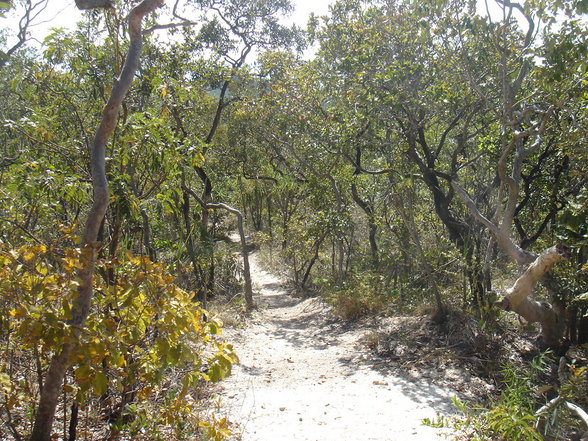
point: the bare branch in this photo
(502, 237)
(183, 24)
(246, 269)
(94, 4)
(473, 209)
(582, 414)
(31, 12)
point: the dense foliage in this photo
(409, 158)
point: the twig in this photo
(169, 26)
(20, 227)
(10, 421)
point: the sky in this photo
(61, 13)
(64, 13)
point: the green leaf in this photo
(100, 383)
(215, 373)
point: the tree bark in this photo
(73, 422)
(517, 297)
(45, 413)
(407, 215)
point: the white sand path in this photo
(303, 377)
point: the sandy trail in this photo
(304, 377)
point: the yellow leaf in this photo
(67, 229)
(41, 269)
(70, 388)
(198, 160)
(145, 392)
(28, 256)
(121, 362)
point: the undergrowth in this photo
(138, 368)
(527, 408)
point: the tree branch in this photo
(23, 25)
(525, 284)
(246, 269)
(503, 239)
(93, 4)
(183, 24)
(582, 414)
(471, 205)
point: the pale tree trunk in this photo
(45, 413)
(248, 292)
(521, 135)
(517, 297)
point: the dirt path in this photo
(304, 377)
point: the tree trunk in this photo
(73, 422)
(269, 220)
(115, 237)
(189, 241)
(372, 226)
(45, 413)
(407, 214)
(517, 297)
(340, 260)
(246, 267)
(313, 260)
(147, 242)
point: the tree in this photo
(525, 114)
(403, 103)
(30, 13)
(81, 308)
(232, 32)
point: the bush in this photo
(359, 296)
(512, 416)
(143, 351)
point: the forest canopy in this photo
(393, 155)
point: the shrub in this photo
(144, 349)
(359, 296)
